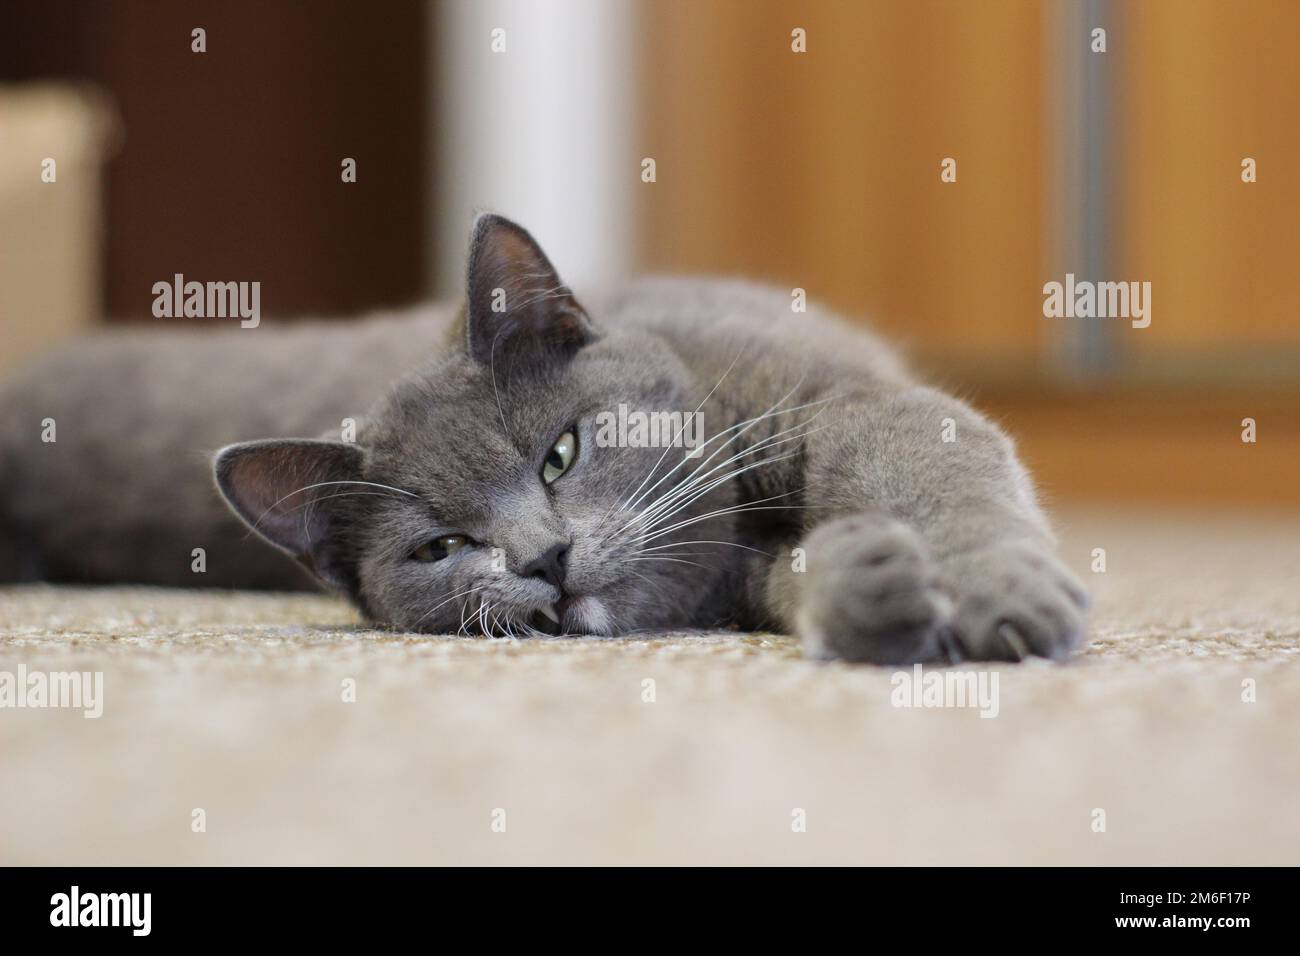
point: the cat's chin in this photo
(585, 614)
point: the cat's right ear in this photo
(517, 304)
(291, 492)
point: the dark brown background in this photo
(231, 169)
(818, 170)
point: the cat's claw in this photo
(871, 593)
(1016, 600)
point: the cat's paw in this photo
(1014, 600)
(870, 592)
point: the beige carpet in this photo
(232, 703)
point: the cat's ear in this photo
(291, 492)
(517, 302)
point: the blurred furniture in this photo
(230, 167)
(821, 170)
(51, 215)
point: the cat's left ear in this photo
(292, 492)
(517, 302)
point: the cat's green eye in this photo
(440, 548)
(561, 457)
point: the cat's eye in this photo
(439, 548)
(560, 457)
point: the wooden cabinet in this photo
(822, 170)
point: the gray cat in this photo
(834, 498)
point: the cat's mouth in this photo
(572, 614)
(547, 619)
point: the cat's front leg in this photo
(925, 544)
(864, 588)
(1013, 599)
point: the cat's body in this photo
(125, 491)
(879, 519)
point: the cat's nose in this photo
(549, 565)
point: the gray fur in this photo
(862, 530)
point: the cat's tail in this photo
(19, 550)
(9, 560)
(15, 547)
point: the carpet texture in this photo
(476, 751)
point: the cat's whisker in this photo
(726, 511)
(743, 427)
(757, 505)
(324, 484)
(730, 544)
(506, 624)
(698, 409)
(688, 495)
(678, 505)
(555, 292)
(693, 481)
(640, 575)
(467, 591)
(501, 622)
(676, 560)
(688, 481)
(307, 506)
(464, 610)
(678, 554)
(491, 621)
(492, 369)
(341, 494)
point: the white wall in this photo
(541, 133)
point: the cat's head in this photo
(479, 495)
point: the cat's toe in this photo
(1016, 601)
(871, 595)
